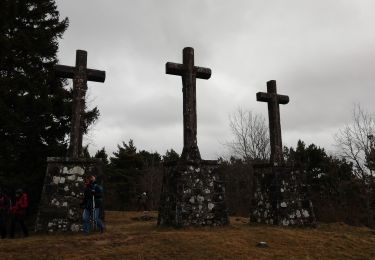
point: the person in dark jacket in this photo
(92, 203)
(18, 212)
(4, 212)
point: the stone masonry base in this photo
(59, 209)
(280, 198)
(192, 195)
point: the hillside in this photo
(127, 238)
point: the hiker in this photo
(142, 202)
(18, 212)
(92, 203)
(4, 212)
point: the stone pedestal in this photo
(281, 197)
(59, 209)
(192, 195)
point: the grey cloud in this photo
(320, 52)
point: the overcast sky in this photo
(320, 52)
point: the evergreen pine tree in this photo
(35, 109)
(102, 154)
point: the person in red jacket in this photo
(18, 212)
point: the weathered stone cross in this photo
(80, 75)
(189, 74)
(273, 100)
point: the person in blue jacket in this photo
(92, 204)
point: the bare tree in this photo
(354, 141)
(251, 138)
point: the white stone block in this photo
(72, 177)
(305, 213)
(56, 179)
(77, 170)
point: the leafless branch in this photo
(250, 136)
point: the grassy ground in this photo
(126, 238)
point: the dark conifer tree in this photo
(35, 109)
(170, 156)
(102, 154)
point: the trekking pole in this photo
(93, 213)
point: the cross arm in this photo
(95, 75)
(282, 99)
(263, 97)
(174, 68)
(203, 73)
(63, 71)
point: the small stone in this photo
(283, 204)
(211, 206)
(262, 244)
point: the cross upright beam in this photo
(189, 74)
(80, 75)
(273, 100)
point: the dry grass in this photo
(129, 239)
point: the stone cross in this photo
(189, 74)
(80, 75)
(273, 100)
